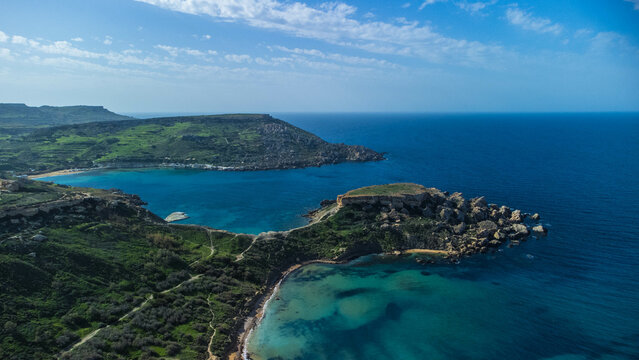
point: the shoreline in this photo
(57, 173)
(257, 313)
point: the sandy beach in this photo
(57, 173)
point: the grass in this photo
(246, 141)
(388, 189)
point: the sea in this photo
(571, 295)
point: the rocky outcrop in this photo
(433, 219)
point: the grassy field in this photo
(389, 189)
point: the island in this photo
(92, 274)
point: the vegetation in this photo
(20, 119)
(63, 280)
(242, 142)
(388, 189)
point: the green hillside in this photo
(20, 118)
(239, 142)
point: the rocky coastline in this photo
(456, 228)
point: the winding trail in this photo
(134, 310)
(208, 348)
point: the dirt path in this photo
(241, 255)
(208, 349)
(134, 310)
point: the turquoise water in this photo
(571, 295)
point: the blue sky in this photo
(278, 55)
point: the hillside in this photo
(90, 274)
(225, 142)
(20, 118)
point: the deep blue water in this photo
(573, 294)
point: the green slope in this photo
(20, 118)
(242, 142)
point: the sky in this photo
(214, 56)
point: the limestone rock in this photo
(176, 216)
(540, 229)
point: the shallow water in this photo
(573, 294)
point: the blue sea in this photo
(571, 295)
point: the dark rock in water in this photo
(352, 292)
(393, 311)
(390, 271)
(327, 202)
(517, 216)
(425, 273)
(494, 243)
(519, 231)
(540, 229)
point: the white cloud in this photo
(527, 21)
(5, 54)
(174, 51)
(474, 7)
(610, 42)
(405, 5)
(108, 40)
(429, 2)
(582, 32)
(334, 23)
(77, 39)
(65, 48)
(238, 58)
(17, 39)
(635, 2)
(207, 37)
(3, 37)
(353, 60)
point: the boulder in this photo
(459, 229)
(534, 217)
(494, 243)
(427, 212)
(516, 216)
(445, 214)
(540, 229)
(176, 216)
(518, 231)
(499, 235)
(505, 211)
(478, 214)
(478, 202)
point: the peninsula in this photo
(105, 278)
(213, 142)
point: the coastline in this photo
(57, 173)
(258, 311)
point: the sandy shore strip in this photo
(57, 173)
(425, 251)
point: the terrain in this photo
(91, 274)
(17, 119)
(219, 142)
